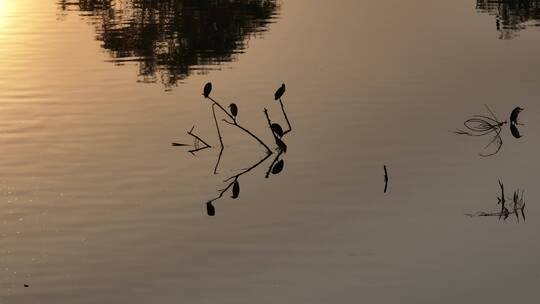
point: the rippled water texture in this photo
(98, 207)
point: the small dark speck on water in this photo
(26, 285)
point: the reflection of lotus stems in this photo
(286, 118)
(235, 123)
(270, 124)
(275, 167)
(235, 177)
(220, 139)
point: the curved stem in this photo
(220, 139)
(235, 123)
(286, 118)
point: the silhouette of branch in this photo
(235, 177)
(197, 138)
(246, 170)
(270, 124)
(190, 132)
(235, 123)
(220, 139)
(233, 181)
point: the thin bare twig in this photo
(270, 124)
(197, 138)
(235, 123)
(190, 132)
(235, 177)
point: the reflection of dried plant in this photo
(196, 142)
(481, 125)
(233, 182)
(518, 206)
(277, 132)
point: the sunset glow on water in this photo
(97, 206)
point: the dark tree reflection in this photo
(171, 39)
(511, 15)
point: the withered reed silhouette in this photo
(481, 125)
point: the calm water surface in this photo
(97, 207)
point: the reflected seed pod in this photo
(210, 209)
(235, 189)
(234, 109)
(278, 167)
(207, 89)
(279, 92)
(514, 115)
(277, 129)
(514, 130)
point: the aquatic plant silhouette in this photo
(233, 122)
(170, 40)
(518, 205)
(196, 143)
(276, 130)
(511, 16)
(233, 182)
(385, 179)
(481, 125)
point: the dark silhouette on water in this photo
(385, 179)
(277, 96)
(514, 130)
(196, 143)
(514, 115)
(518, 206)
(233, 182)
(207, 89)
(235, 189)
(234, 123)
(210, 210)
(514, 122)
(481, 125)
(276, 166)
(172, 39)
(511, 16)
(234, 109)
(279, 92)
